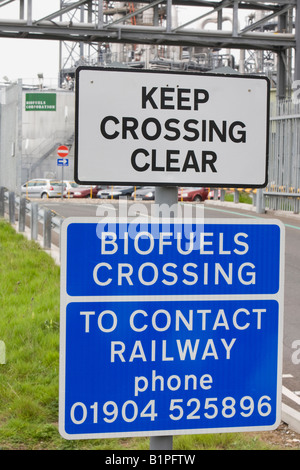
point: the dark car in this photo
(192, 194)
(115, 192)
(146, 193)
(74, 190)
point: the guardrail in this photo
(46, 222)
(282, 200)
(27, 213)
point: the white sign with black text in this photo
(167, 128)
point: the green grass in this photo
(243, 197)
(29, 326)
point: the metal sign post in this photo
(62, 150)
(62, 182)
(169, 196)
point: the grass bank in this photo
(29, 327)
(244, 197)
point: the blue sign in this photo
(192, 259)
(166, 356)
(62, 162)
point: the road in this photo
(291, 342)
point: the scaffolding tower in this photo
(156, 33)
(278, 66)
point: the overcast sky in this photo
(25, 58)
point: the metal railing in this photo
(45, 223)
(282, 199)
(23, 212)
(283, 190)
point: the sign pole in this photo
(164, 195)
(62, 152)
(62, 182)
(161, 443)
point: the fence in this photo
(43, 224)
(283, 190)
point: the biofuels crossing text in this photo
(191, 272)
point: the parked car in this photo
(192, 194)
(77, 190)
(42, 188)
(146, 193)
(114, 192)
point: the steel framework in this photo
(97, 23)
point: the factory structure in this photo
(163, 56)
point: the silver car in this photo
(42, 188)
